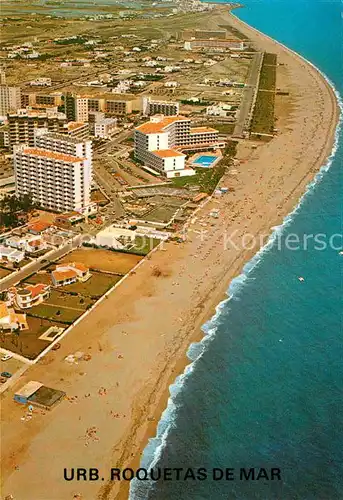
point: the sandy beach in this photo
(139, 336)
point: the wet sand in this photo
(138, 337)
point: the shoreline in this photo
(131, 330)
(199, 334)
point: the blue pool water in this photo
(205, 161)
(264, 387)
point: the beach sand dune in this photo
(139, 335)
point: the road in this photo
(35, 266)
(105, 180)
(249, 96)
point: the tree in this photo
(11, 206)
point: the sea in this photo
(263, 389)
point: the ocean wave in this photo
(153, 451)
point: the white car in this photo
(6, 357)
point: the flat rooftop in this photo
(44, 153)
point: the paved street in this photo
(20, 275)
(249, 96)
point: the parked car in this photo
(56, 347)
(6, 357)
(3, 380)
(6, 374)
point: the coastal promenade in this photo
(138, 336)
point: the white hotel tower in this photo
(56, 171)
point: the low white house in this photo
(29, 244)
(66, 274)
(30, 296)
(115, 237)
(11, 254)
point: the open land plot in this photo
(40, 277)
(224, 128)
(27, 343)
(4, 272)
(263, 116)
(268, 73)
(67, 300)
(103, 260)
(95, 286)
(163, 213)
(55, 313)
(205, 178)
(143, 245)
(99, 197)
(233, 31)
(230, 69)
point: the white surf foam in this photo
(156, 445)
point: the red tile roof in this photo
(37, 289)
(44, 153)
(167, 153)
(64, 275)
(39, 226)
(155, 127)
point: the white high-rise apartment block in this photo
(10, 99)
(57, 172)
(160, 143)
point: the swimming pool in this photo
(205, 161)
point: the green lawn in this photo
(270, 58)
(60, 314)
(143, 245)
(224, 128)
(263, 117)
(268, 74)
(95, 286)
(65, 299)
(205, 178)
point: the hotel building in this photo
(77, 108)
(23, 123)
(57, 172)
(160, 143)
(217, 44)
(153, 107)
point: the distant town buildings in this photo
(77, 108)
(33, 99)
(41, 82)
(154, 107)
(215, 43)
